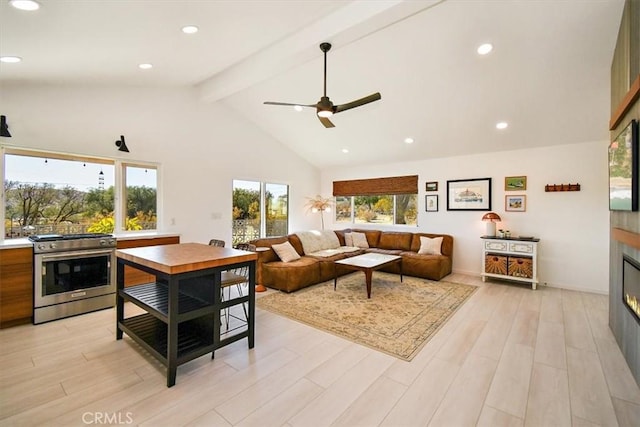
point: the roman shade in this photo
(377, 186)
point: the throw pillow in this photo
(285, 252)
(359, 240)
(348, 239)
(429, 246)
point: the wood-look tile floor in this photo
(509, 356)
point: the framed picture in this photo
(515, 183)
(623, 170)
(515, 203)
(469, 194)
(431, 203)
(432, 186)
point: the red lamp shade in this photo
(491, 216)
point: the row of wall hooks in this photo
(561, 187)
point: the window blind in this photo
(377, 186)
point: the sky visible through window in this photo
(277, 190)
(77, 174)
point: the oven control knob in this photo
(103, 243)
(42, 246)
(53, 245)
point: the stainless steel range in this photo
(72, 274)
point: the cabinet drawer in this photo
(496, 246)
(495, 264)
(521, 267)
(525, 248)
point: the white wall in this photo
(201, 147)
(572, 226)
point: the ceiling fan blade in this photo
(326, 122)
(357, 103)
(288, 104)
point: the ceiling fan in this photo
(324, 107)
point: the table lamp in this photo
(491, 218)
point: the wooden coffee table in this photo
(367, 263)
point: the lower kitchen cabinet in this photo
(16, 286)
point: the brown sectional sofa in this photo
(309, 270)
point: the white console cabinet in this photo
(511, 258)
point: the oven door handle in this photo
(75, 254)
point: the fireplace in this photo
(631, 285)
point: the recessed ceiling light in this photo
(10, 59)
(408, 140)
(297, 108)
(345, 150)
(25, 4)
(190, 29)
(145, 66)
(485, 48)
(502, 125)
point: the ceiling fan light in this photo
(325, 113)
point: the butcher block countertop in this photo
(184, 257)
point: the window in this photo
(140, 187)
(276, 209)
(344, 209)
(50, 193)
(259, 210)
(392, 200)
(384, 209)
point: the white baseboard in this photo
(541, 284)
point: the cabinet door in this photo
(16, 286)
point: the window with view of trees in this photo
(389, 200)
(379, 209)
(259, 210)
(62, 194)
(140, 187)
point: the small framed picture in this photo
(515, 203)
(431, 203)
(432, 186)
(515, 183)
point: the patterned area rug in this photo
(398, 320)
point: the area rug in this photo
(399, 319)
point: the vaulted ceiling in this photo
(547, 76)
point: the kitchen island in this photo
(183, 305)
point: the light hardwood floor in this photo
(510, 356)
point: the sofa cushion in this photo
(359, 240)
(314, 241)
(384, 251)
(285, 252)
(433, 267)
(291, 276)
(373, 236)
(447, 243)
(326, 253)
(348, 239)
(395, 240)
(430, 246)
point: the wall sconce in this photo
(121, 145)
(319, 204)
(4, 129)
(491, 218)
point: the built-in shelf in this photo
(628, 238)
